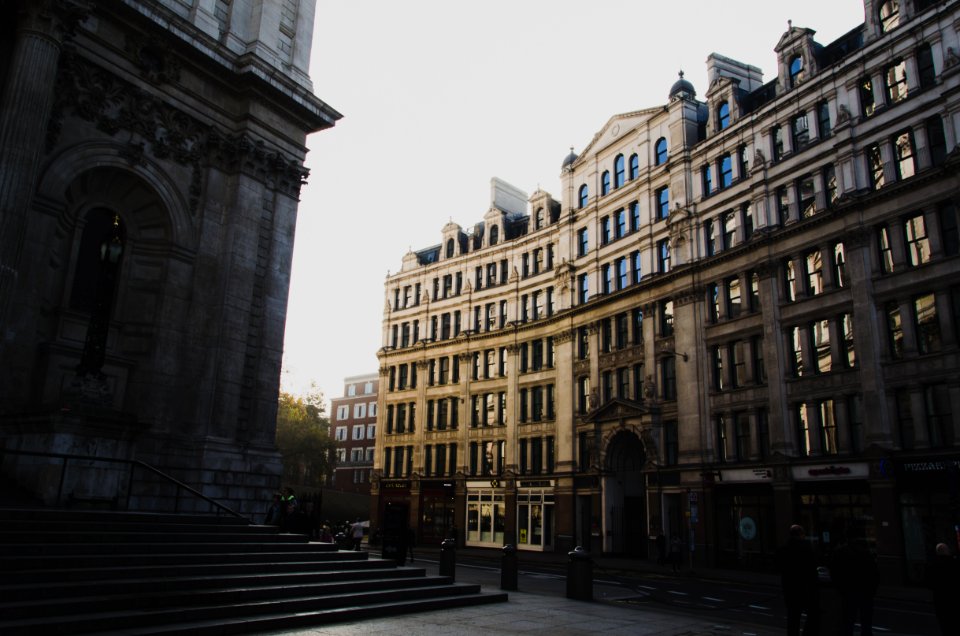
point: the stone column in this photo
(27, 101)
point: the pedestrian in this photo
(275, 511)
(798, 576)
(356, 533)
(411, 540)
(854, 571)
(943, 577)
(325, 535)
(676, 552)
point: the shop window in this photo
(486, 517)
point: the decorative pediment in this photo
(617, 126)
(617, 409)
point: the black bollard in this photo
(508, 568)
(579, 575)
(448, 559)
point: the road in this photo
(741, 606)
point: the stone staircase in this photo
(92, 572)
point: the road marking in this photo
(647, 587)
(710, 598)
(677, 593)
(758, 607)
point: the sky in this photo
(439, 96)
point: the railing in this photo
(132, 465)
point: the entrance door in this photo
(624, 495)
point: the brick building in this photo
(354, 427)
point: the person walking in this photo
(798, 577)
(356, 533)
(943, 577)
(854, 571)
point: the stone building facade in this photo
(741, 312)
(151, 159)
(353, 422)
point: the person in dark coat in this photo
(943, 577)
(798, 575)
(854, 571)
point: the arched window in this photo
(605, 183)
(584, 195)
(723, 115)
(889, 15)
(796, 70)
(660, 151)
(538, 219)
(494, 234)
(450, 245)
(634, 166)
(618, 172)
(97, 268)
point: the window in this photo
(663, 203)
(341, 435)
(621, 267)
(605, 183)
(741, 426)
(759, 370)
(634, 216)
(746, 220)
(754, 299)
(886, 250)
(926, 73)
(671, 443)
(604, 230)
(634, 166)
(450, 245)
(846, 335)
(867, 106)
(726, 171)
(796, 70)
(583, 242)
(636, 267)
(744, 162)
(663, 255)
(668, 376)
(813, 266)
(800, 132)
(738, 361)
(895, 78)
(839, 266)
(721, 426)
(936, 141)
(584, 193)
(707, 180)
(918, 245)
(606, 279)
(820, 332)
(618, 172)
(584, 288)
(796, 347)
(358, 431)
(494, 234)
(789, 281)
(889, 15)
(806, 196)
(359, 410)
(875, 166)
(710, 237)
(620, 223)
(723, 115)
(936, 402)
(666, 318)
(894, 330)
(823, 120)
(783, 205)
(829, 175)
(583, 394)
(713, 297)
(776, 139)
(538, 222)
(905, 161)
(949, 232)
(927, 324)
(343, 412)
(716, 359)
(732, 286)
(728, 221)
(660, 152)
(828, 427)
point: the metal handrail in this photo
(133, 463)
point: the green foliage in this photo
(303, 439)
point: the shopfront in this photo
(929, 498)
(437, 511)
(745, 519)
(486, 514)
(535, 518)
(833, 503)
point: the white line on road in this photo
(647, 587)
(677, 593)
(759, 607)
(710, 598)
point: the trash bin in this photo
(508, 568)
(579, 575)
(448, 559)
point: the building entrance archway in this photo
(624, 496)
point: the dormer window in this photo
(796, 70)
(450, 245)
(538, 219)
(494, 234)
(584, 195)
(660, 152)
(889, 15)
(723, 115)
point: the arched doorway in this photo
(624, 495)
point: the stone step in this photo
(167, 547)
(59, 515)
(123, 536)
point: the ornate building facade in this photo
(151, 159)
(742, 312)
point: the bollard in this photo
(448, 559)
(579, 575)
(508, 568)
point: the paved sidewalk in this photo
(527, 613)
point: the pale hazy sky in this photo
(438, 96)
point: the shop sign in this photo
(741, 475)
(831, 471)
(491, 483)
(930, 466)
(542, 483)
(395, 485)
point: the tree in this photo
(303, 439)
